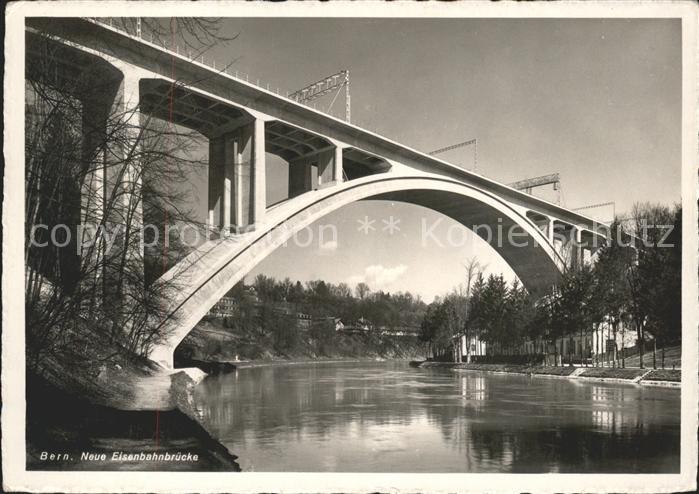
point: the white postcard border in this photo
(15, 475)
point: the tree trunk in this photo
(662, 350)
(641, 348)
(655, 349)
(570, 354)
(623, 347)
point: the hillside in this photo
(211, 341)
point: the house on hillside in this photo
(225, 307)
(303, 321)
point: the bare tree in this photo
(97, 169)
(362, 290)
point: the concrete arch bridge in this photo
(331, 163)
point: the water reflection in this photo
(390, 417)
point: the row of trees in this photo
(320, 299)
(634, 283)
(265, 316)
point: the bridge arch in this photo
(205, 275)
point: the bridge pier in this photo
(300, 177)
(566, 239)
(111, 192)
(550, 230)
(237, 198)
(577, 249)
(329, 164)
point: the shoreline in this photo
(70, 433)
(233, 365)
(571, 373)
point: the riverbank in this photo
(223, 367)
(210, 341)
(650, 377)
(85, 436)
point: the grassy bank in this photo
(664, 375)
(673, 358)
(510, 368)
(602, 373)
(613, 373)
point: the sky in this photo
(597, 101)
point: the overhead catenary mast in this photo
(528, 184)
(334, 83)
(470, 142)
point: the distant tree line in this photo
(319, 298)
(268, 317)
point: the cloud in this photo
(379, 277)
(328, 247)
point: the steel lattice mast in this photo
(325, 86)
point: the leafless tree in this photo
(95, 173)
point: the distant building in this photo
(363, 324)
(472, 346)
(229, 306)
(303, 321)
(225, 307)
(401, 331)
(586, 346)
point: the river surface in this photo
(389, 417)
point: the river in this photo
(389, 417)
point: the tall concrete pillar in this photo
(237, 198)
(329, 163)
(132, 199)
(122, 175)
(577, 247)
(97, 107)
(112, 192)
(326, 167)
(217, 159)
(549, 230)
(337, 171)
(260, 172)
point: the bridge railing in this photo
(134, 28)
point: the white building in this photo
(472, 346)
